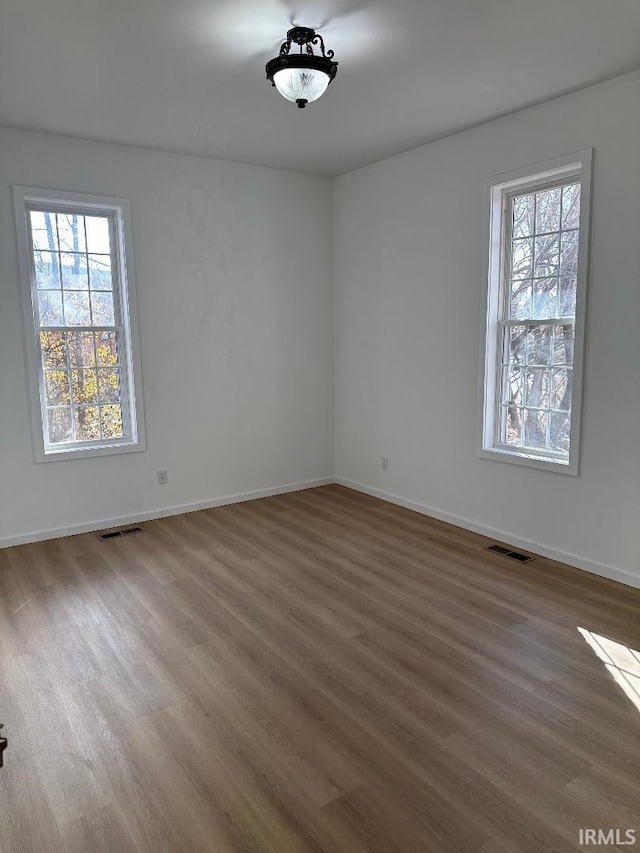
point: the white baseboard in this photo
(502, 536)
(135, 518)
(535, 547)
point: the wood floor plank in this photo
(317, 672)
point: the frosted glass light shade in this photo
(301, 84)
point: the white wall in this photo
(409, 286)
(233, 271)
(233, 268)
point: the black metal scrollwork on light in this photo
(328, 53)
(3, 745)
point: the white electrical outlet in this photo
(163, 478)
(384, 463)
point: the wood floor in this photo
(319, 671)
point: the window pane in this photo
(523, 215)
(76, 308)
(547, 257)
(548, 210)
(563, 342)
(521, 258)
(44, 232)
(80, 346)
(109, 385)
(567, 296)
(512, 425)
(535, 429)
(560, 433)
(74, 271)
(569, 259)
(84, 386)
(59, 425)
(545, 298)
(102, 308)
(56, 384)
(71, 232)
(539, 345)
(98, 234)
(513, 385)
(571, 206)
(517, 345)
(47, 269)
(100, 272)
(86, 422)
(537, 388)
(50, 308)
(106, 349)
(52, 347)
(561, 389)
(521, 300)
(111, 419)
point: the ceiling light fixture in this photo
(302, 77)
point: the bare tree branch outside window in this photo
(539, 326)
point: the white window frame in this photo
(498, 190)
(118, 209)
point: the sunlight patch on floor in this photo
(622, 662)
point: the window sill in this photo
(84, 452)
(529, 460)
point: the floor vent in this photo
(115, 533)
(513, 555)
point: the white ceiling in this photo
(188, 75)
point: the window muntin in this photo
(82, 352)
(537, 324)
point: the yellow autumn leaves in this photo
(82, 385)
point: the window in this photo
(80, 318)
(535, 315)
